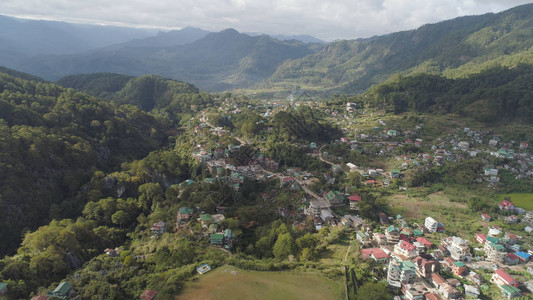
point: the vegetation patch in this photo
(229, 282)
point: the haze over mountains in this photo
(229, 60)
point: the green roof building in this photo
(217, 239)
(62, 291)
(510, 291)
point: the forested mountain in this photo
(219, 61)
(148, 92)
(455, 48)
(497, 94)
(53, 140)
(22, 38)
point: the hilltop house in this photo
(406, 249)
(148, 295)
(184, 216)
(158, 228)
(62, 291)
(354, 201)
(506, 205)
(334, 198)
(377, 254)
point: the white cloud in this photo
(328, 20)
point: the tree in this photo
(373, 291)
(284, 246)
(120, 218)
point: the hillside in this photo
(455, 48)
(495, 95)
(219, 61)
(53, 140)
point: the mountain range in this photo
(229, 60)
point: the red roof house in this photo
(500, 277)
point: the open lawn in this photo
(228, 282)
(455, 216)
(523, 200)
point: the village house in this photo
(392, 234)
(334, 198)
(158, 228)
(458, 247)
(415, 291)
(486, 217)
(184, 216)
(354, 201)
(383, 219)
(402, 271)
(475, 278)
(379, 238)
(471, 290)
(148, 295)
(494, 251)
(510, 292)
(426, 266)
(459, 269)
(62, 291)
(425, 242)
(377, 254)
(444, 288)
(3, 288)
(362, 237)
(500, 277)
(512, 259)
(431, 224)
(406, 249)
(506, 205)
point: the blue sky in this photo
(325, 19)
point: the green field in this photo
(523, 200)
(232, 283)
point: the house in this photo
(217, 239)
(506, 205)
(427, 244)
(203, 268)
(524, 257)
(432, 296)
(414, 291)
(354, 201)
(512, 259)
(406, 249)
(206, 220)
(111, 252)
(475, 278)
(377, 254)
(335, 198)
(494, 252)
(480, 238)
(471, 290)
(425, 267)
(402, 271)
(486, 217)
(149, 294)
(362, 237)
(431, 224)
(184, 216)
(380, 238)
(229, 238)
(510, 291)
(500, 277)
(3, 288)
(459, 269)
(512, 219)
(383, 219)
(62, 291)
(458, 247)
(158, 228)
(392, 234)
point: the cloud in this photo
(328, 20)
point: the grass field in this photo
(523, 200)
(228, 282)
(455, 216)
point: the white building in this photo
(431, 224)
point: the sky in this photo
(325, 19)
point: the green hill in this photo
(494, 95)
(52, 141)
(455, 48)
